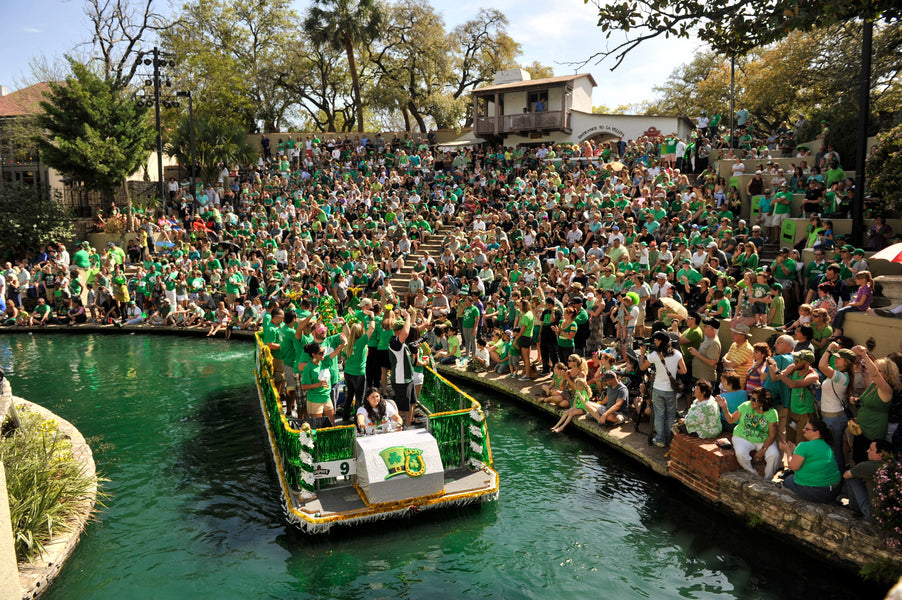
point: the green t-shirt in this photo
(311, 374)
(753, 426)
(820, 468)
(801, 399)
(355, 363)
(470, 317)
(564, 342)
(290, 346)
(526, 324)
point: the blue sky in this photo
(554, 33)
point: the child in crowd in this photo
(804, 318)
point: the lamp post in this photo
(193, 166)
(158, 62)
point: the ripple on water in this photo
(195, 511)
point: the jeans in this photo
(469, 339)
(859, 500)
(820, 494)
(837, 426)
(664, 404)
(840, 317)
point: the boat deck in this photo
(344, 499)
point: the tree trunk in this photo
(129, 214)
(355, 79)
(406, 116)
(417, 117)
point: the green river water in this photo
(194, 510)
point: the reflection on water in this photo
(195, 511)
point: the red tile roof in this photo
(24, 101)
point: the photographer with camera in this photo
(668, 365)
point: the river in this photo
(193, 509)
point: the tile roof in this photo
(24, 101)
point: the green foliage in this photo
(537, 70)
(30, 219)
(884, 171)
(215, 143)
(729, 28)
(883, 571)
(230, 53)
(93, 131)
(47, 487)
(344, 25)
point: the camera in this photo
(639, 343)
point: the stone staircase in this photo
(400, 279)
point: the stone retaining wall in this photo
(832, 531)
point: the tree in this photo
(118, 28)
(230, 52)
(729, 27)
(344, 24)
(316, 81)
(216, 143)
(884, 170)
(30, 219)
(537, 70)
(93, 131)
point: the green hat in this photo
(803, 356)
(849, 247)
(634, 297)
(857, 252)
(777, 286)
(846, 354)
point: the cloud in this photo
(32, 30)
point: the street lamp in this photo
(193, 165)
(157, 63)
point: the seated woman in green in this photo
(816, 477)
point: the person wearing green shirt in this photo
(355, 354)
(469, 323)
(523, 340)
(777, 312)
(815, 478)
(272, 339)
(316, 382)
(798, 377)
(782, 203)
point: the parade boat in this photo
(331, 476)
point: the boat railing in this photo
(455, 420)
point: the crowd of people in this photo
(580, 265)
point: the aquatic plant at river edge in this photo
(46, 485)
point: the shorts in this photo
(405, 396)
(777, 220)
(759, 308)
(315, 409)
(418, 378)
(278, 370)
(290, 381)
(383, 359)
(524, 342)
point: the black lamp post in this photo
(193, 166)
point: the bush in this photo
(887, 504)
(884, 171)
(46, 485)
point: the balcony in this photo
(524, 123)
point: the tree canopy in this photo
(30, 219)
(729, 27)
(93, 131)
(216, 143)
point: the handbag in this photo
(677, 386)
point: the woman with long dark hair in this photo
(377, 413)
(669, 365)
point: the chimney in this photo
(3, 90)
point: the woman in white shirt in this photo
(669, 365)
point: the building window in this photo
(534, 98)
